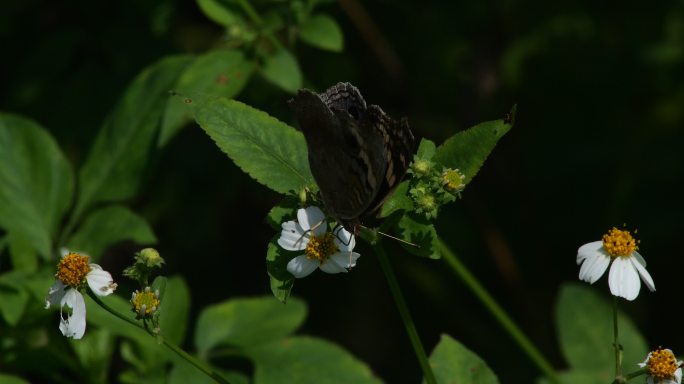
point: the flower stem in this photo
(186, 356)
(404, 313)
(499, 314)
(616, 344)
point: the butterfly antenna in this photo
(399, 240)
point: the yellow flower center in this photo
(72, 269)
(321, 247)
(619, 243)
(145, 303)
(453, 180)
(662, 364)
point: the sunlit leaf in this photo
(452, 362)
(175, 307)
(281, 280)
(322, 31)
(419, 231)
(219, 12)
(281, 68)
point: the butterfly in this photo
(357, 153)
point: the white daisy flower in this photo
(662, 367)
(331, 252)
(619, 248)
(73, 272)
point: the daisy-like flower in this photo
(663, 367)
(619, 250)
(331, 252)
(73, 273)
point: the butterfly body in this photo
(357, 153)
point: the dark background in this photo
(597, 143)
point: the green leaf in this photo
(247, 322)
(281, 280)
(115, 166)
(418, 230)
(108, 226)
(452, 362)
(585, 328)
(94, 352)
(426, 149)
(322, 31)
(36, 182)
(281, 68)
(175, 306)
(13, 297)
(283, 211)
(184, 372)
(574, 377)
(218, 73)
(399, 200)
(305, 360)
(467, 150)
(218, 12)
(22, 253)
(9, 379)
(271, 152)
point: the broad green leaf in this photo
(108, 226)
(173, 316)
(218, 12)
(284, 211)
(36, 182)
(306, 360)
(452, 362)
(115, 166)
(98, 316)
(22, 253)
(584, 323)
(417, 230)
(94, 352)
(247, 322)
(9, 379)
(281, 68)
(574, 377)
(398, 201)
(282, 281)
(426, 149)
(322, 31)
(13, 297)
(160, 283)
(271, 152)
(467, 150)
(184, 373)
(217, 73)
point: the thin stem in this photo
(404, 313)
(189, 358)
(499, 314)
(616, 344)
(257, 20)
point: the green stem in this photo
(499, 314)
(616, 344)
(257, 20)
(404, 313)
(184, 355)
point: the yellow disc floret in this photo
(619, 243)
(145, 303)
(72, 269)
(453, 180)
(321, 247)
(662, 364)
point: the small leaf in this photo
(452, 362)
(108, 226)
(417, 230)
(281, 68)
(36, 182)
(467, 150)
(282, 281)
(218, 12)
(585, 330)
(270, 151)
(398, 201)
(175, 306)
(114, 168)
(306, 360)
(426, 149)
(322, 31)
(284, 211)
(10, 379)
(159, 283)
(218, 73)
(247, 322)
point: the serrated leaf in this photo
(108, 226)
(398, 201)
(247, 322)
(115, 165)
(306, 360)
(283, 211)
(175, 306)
(281, 280)
(452, 362)
(271, 152)
(467, 150)
(426, 149)
(218, 12)
(419, 231)
(281, 68)
(585, 330)
(218, 73)
(36, 182)
(322, 31)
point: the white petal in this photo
(639, 258)
(344, 260)
(643, 273)
(55, 294)
(594, 267)
(588, 249)
(312, 218)
(302, 266)
(63, 251)
(678, 376)
(293, 237)
(74, 325)
(100, 281)
(344, 240)
(335, 265)
(623, 279)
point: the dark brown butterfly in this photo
(357, 153)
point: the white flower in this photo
(73, 272)
(331, 252)
(620, 248)
(663, 367)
